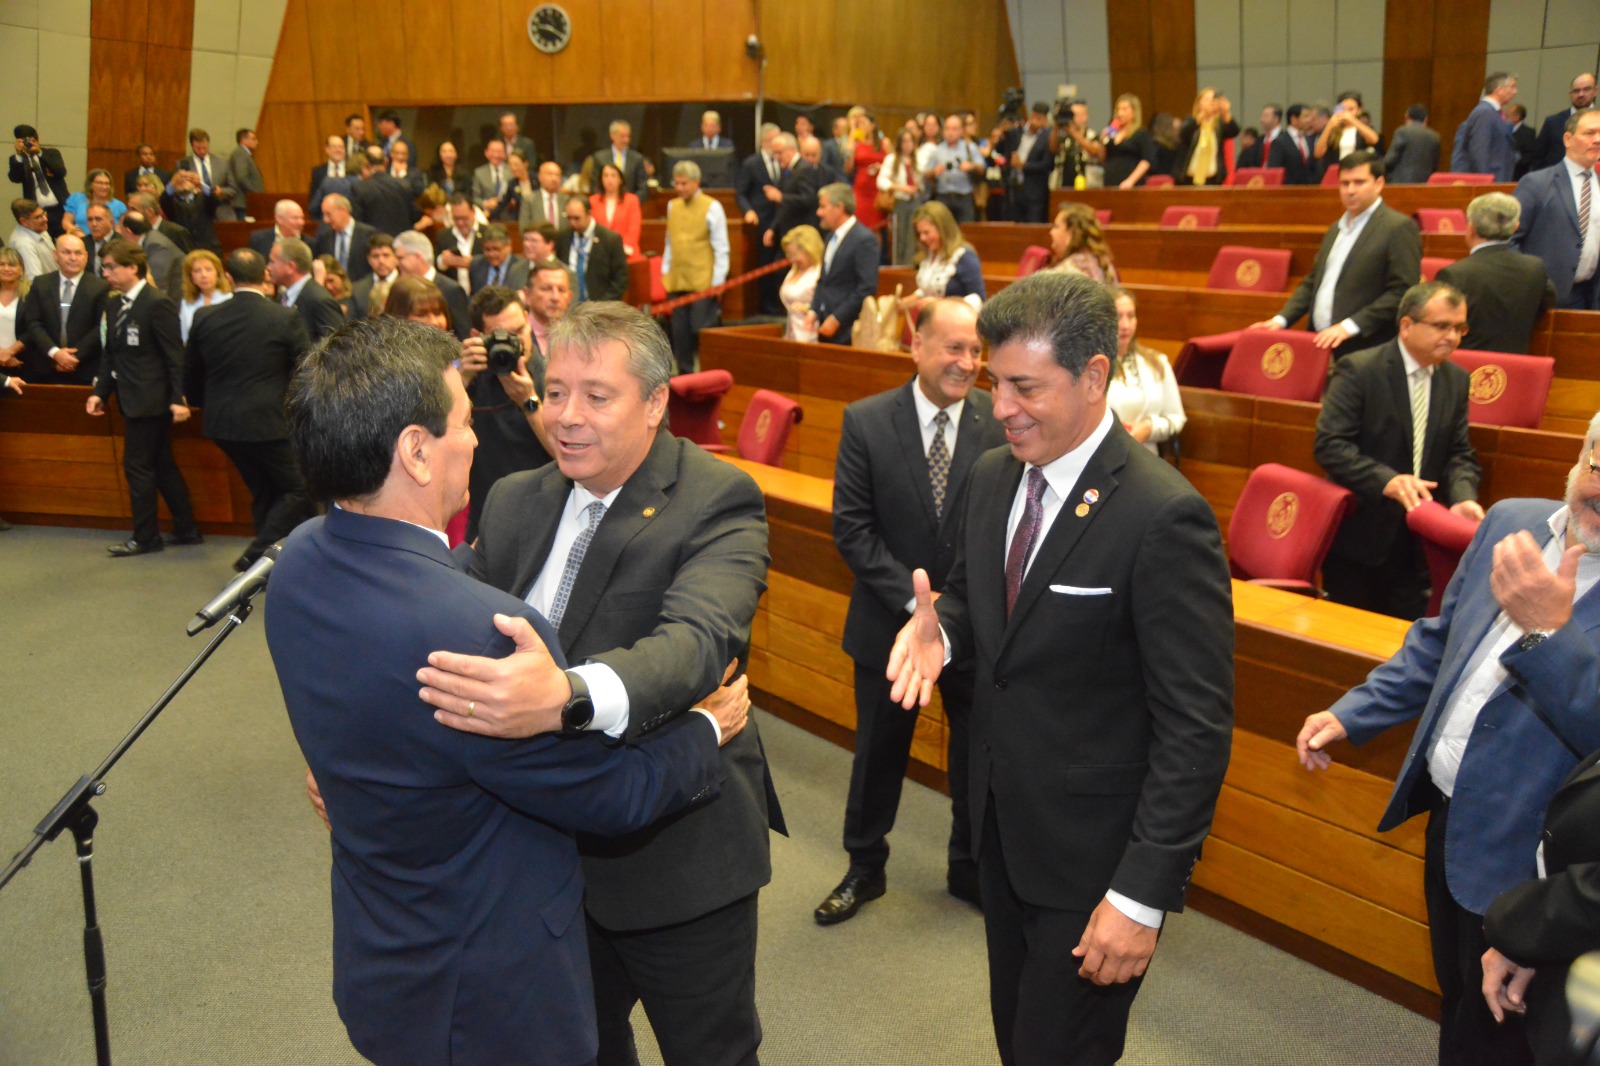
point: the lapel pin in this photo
(649, 512)
(1091, 496)
(1081, 510)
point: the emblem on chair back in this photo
(1446, 224)
(1188, 221)
(1487, 384)
(1281, 515)
(1255, 182)
(1247, 273)
(763, 425)
(1277, 361)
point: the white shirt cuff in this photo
(712, 719)
(946, 638)
(1351, 328)
(1149, 916)
(52, 352)
(1278, 322)
(609, 696)
(911, 605)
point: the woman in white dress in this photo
(1143, 391)
(803, 246)
(13, 287)
(204, 285)
(899, 174)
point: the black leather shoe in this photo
(858, 887)
(132, 547)
(243, 563)
(962, 882)
(192, 537)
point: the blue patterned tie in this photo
(569, 573)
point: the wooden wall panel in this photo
(116, 91)
(532, 81)
(1434, 53)
(1152, 52)
(139, 59)
(430, 20)
(291, 80)
(120, 20)
(166, 102)
(684, 54)
(628, 61)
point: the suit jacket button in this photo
(1000, 683)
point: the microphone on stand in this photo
(241, 589)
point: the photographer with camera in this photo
(504, 374)
(1029, 159)
(1076, 146)
(42, 175)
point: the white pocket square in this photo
(1074, 590)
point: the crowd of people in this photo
(439, 377)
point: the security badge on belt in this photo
(1090, 497)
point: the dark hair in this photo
(457, 199)
(126, 253)
(135, 223)
(1294, 112)
(22, 207)
(239, 134)
(547, 230)
(494, 231)
(354, 394)
(246, 267)
(1277, 111)
(1417, 113)
(198, 134)
(492, 300)
(416, 296)
(1363, 158)
(353, 116)
(1348, 94)
(1075, 315)
(379, 240)
(1420, 295)
(1041, 108)
(389, 115)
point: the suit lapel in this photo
(1394, 373)
(538, 526)
(908, 432)
(642, 498)
(1566, 194)
(1067, 529)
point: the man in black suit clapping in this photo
(143, 362)
(241, 355)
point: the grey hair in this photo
(1074, 314)
(841, 195)
(415, 243)
(1494, 216)
(590, 324)
(619, 124)
(337, 199)
(296, 252)
(785, 140)
(686, 168)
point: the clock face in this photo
(549, 28)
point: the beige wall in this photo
(46, 48)
(234, 42)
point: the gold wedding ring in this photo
(472, 705)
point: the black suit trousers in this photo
(767, 285)
(884, 732)
(697, 981)
(1468, 1033)
(1044, 1013)
(1396, 584)
(148, 464)
(1583, 296)
(685, 325)
(278, 499)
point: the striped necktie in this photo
(1419, 416)
(1583, 205)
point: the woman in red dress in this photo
(871, 150)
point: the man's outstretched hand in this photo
(918, 654)
(518, 696)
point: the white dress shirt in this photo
(38, 251)
(609, 695)
(1322, 305)
(1590, 252)
(927, 411)
(1484, 674)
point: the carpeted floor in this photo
(212, 872)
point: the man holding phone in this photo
(41, 173)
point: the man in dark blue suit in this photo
(1505, 682)
(758, 173)
(1027, 151)
(899, 491)
(849, 265)
(457, 891)
(1483, 142)
(1553, 215)
(711, 133)
(1550, 147)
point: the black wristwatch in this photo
(1533, 639)
(578, 711)
(531, 405)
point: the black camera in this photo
(1011, 105)
(503, 350)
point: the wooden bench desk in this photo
(1284, 205)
